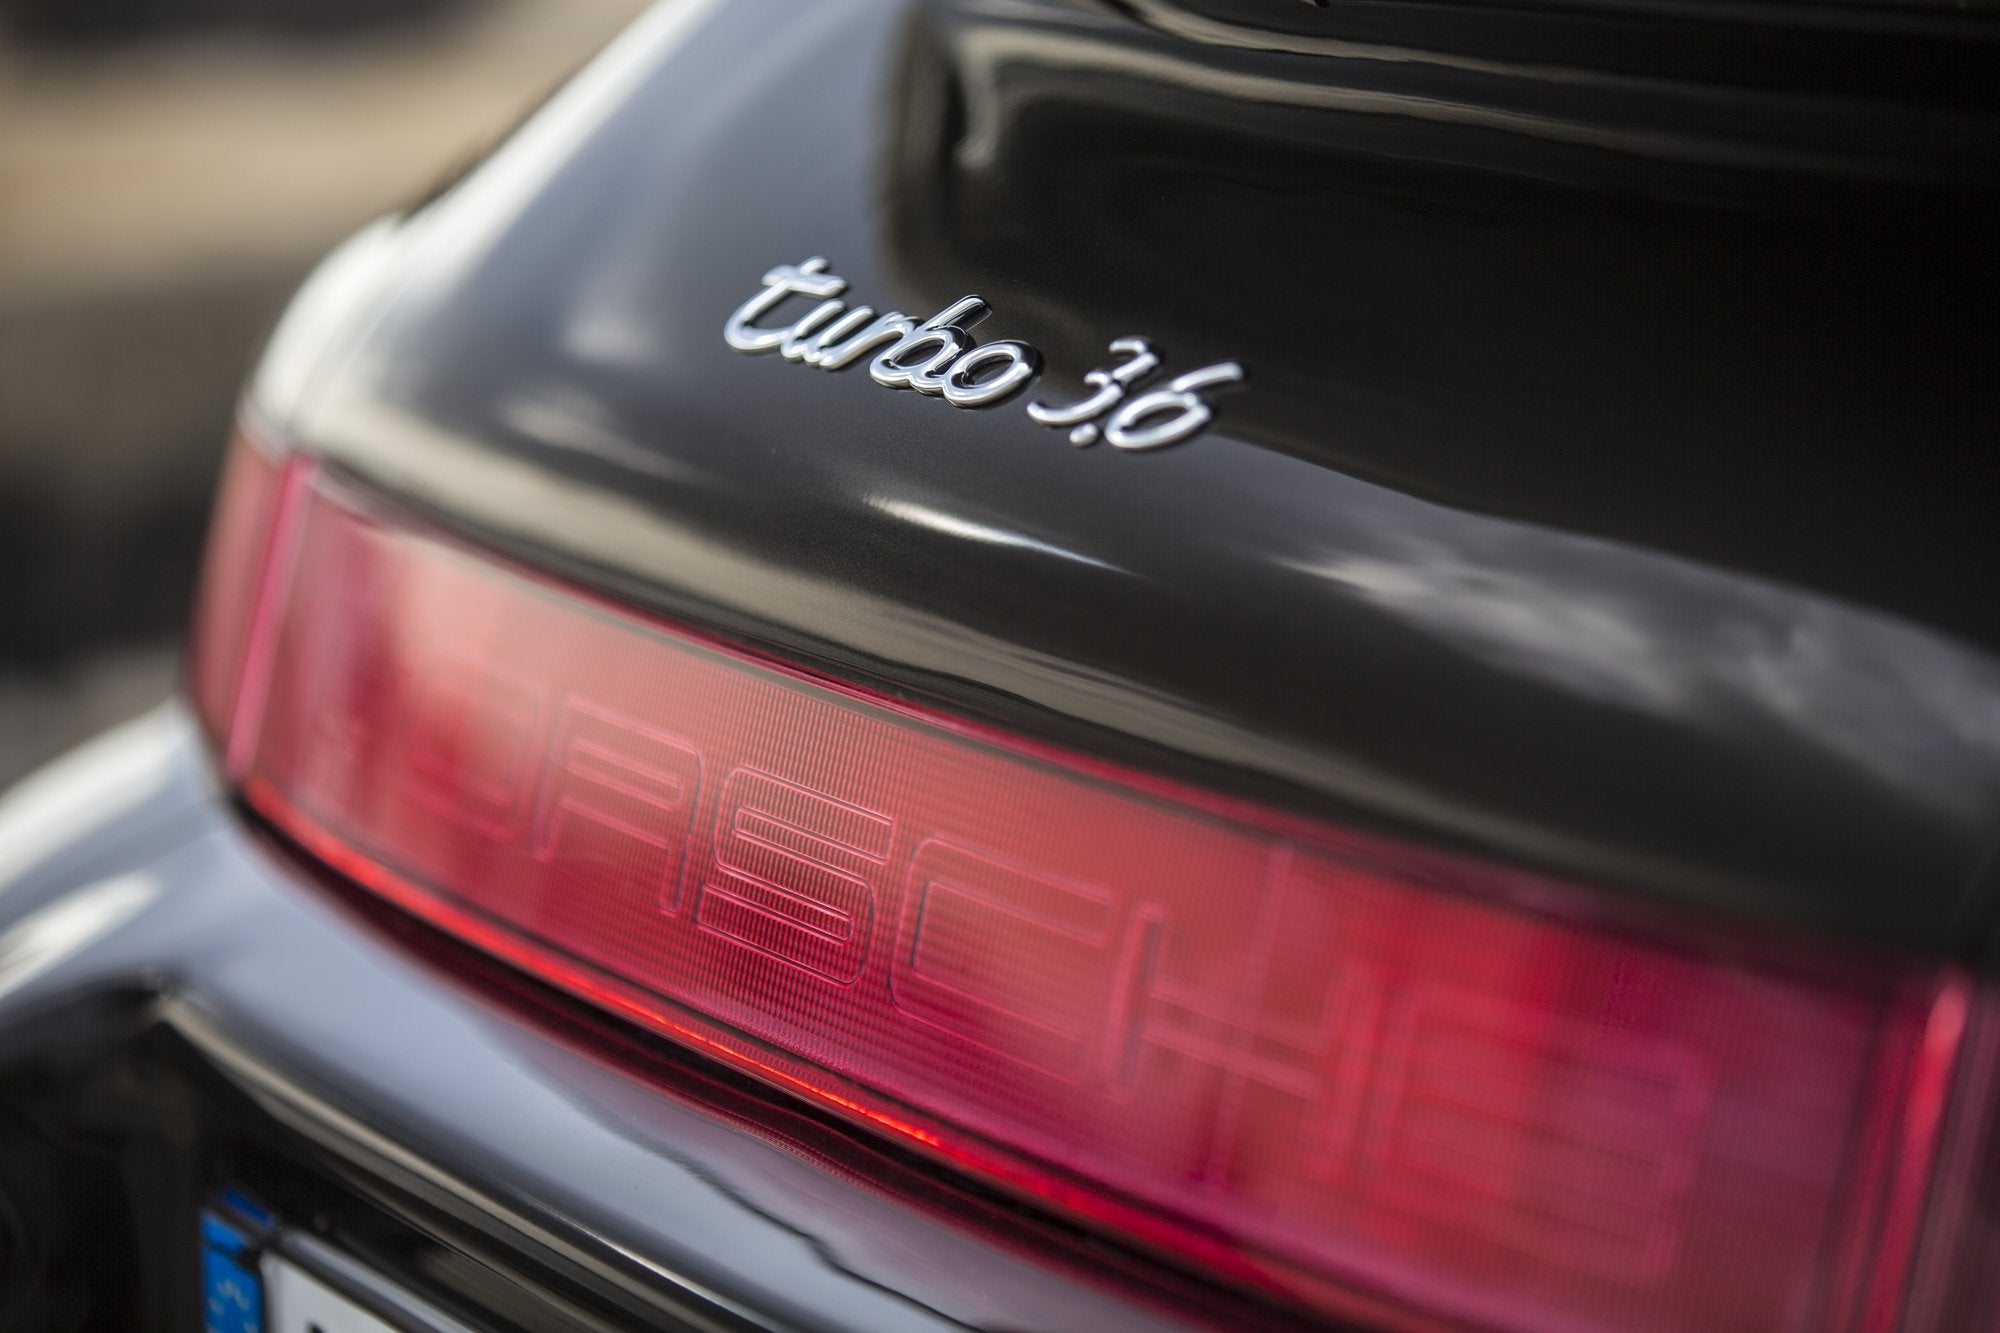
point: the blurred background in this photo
(169, 172)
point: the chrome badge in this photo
(939, 357)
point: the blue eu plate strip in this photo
(232, 1293)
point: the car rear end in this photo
(1431, 760)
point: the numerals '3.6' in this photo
(1150, 421)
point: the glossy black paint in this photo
(240, 1019)
(1614, 493)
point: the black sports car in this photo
(1080, 664)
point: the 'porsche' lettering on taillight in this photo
(1358, 1075)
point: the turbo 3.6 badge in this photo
(938, 356)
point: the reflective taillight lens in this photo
(1376, 1081)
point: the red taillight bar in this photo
(1325, 1069)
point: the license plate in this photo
(253, 1281)
(297, 1302)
